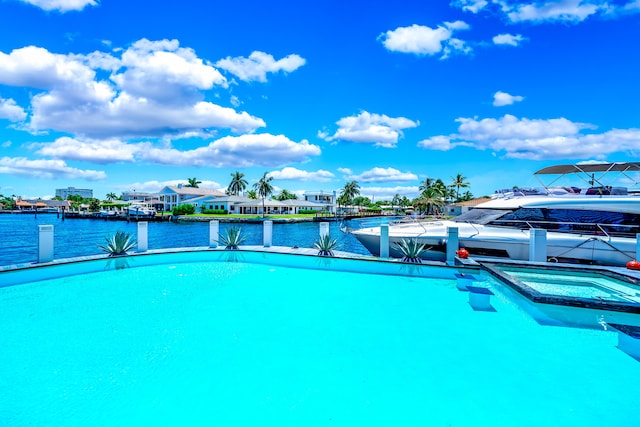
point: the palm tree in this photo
(193, 182)
(237, 184)
(111, 196)
(459, 182)
(264, 188)
(286, 195)
(351, 189)
(429, 198)
(252, 194)
(424, 186)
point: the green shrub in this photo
(326, 245)
(118, 244)
(232, 238)
(214, 211)
(184, 210)
(306, 211)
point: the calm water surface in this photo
(79, 237)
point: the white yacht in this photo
(596, 226)
(141, 209)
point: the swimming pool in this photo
(250, 338)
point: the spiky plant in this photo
(118, 244)
(411, 250)
(326, 245)
(232, 238)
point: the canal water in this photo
(80, 237)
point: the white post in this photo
(267, 234)
(452, 244)
(638, 246)
(384, 241)
(214, 229)
(143, 236)
(324, 229)
(538, 245)
(45, 243)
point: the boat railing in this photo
(601, 229)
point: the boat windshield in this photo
(481, 216)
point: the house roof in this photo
(473, 202)
(193, 191)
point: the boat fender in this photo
(462, 253)
(633, 265)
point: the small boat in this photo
(141, 210)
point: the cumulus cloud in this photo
(95, 151)
(156, 88)
(61, 5)
(47, 169)
(258, 64)
(537, 139)
(345, 171)
(423, 40)
(236, 151)
(384, 175)
(502, 98)
(380, 130)
(473, 6)
(12, 111)
(508, 39)
(293, 174)
(563, 10)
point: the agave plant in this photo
(411, 250)
(118, 244)
(232, 238)
(326, 245)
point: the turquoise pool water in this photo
(192, 339)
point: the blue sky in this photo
(116, 95)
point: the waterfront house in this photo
(455, 209)
(171, 196)
(326, 198)
(277, 207)
(40, 205)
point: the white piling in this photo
(538, 245)
(143, 236)
(452, 244)
(45, 243)
(214, 230)
(324, 229)
(267, 233)
(384, 241)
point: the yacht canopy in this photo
(589, 168)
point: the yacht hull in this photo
(484, 241)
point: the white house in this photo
(172, 196)
(325, 198)
(455, 209)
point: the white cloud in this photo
(384, 175)
(95, 151)
(381, 130)
(293, 174)
(47, 169)
(237, 152)
(538, 139)
(61, 5)
(423, 40)
(508, 39)
(12, 111)
(155, 89)
(573, 11)
(439, 143)
(258, 64)
(502, 98)
(345, 171)
(473, 6)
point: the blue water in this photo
(262, 344)
(79, 237)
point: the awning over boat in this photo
(590, 168)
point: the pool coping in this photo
(493, 268)
(284, 250)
